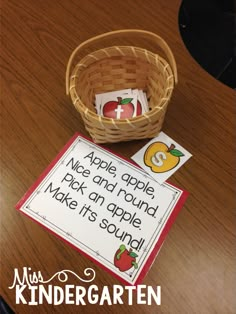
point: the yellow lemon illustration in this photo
(161, 158)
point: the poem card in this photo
(104, 206)
(161, 157)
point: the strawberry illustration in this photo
(124, 259)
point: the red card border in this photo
(163, 234)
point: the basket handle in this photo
(126, 32)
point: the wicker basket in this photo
(120, 67)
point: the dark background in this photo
(208, 30)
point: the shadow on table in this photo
(4, 307)
(208, 29)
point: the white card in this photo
(144, 101)
(161, 157)
(140, 108)
(105, 207)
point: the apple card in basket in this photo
(120, 107)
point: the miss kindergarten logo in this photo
(32, 289)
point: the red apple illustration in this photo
(121, 109)
(124, 259)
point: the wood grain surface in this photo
(196, 265)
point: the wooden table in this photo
(196, 265)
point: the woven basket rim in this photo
(91, 58)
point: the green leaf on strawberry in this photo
(135, 265)
(132, 254)
(176, 153)
(126, 101)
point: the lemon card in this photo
(161, 157)
(104, 206)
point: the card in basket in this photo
(142, 105)
(99, 97)
(120, 107)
